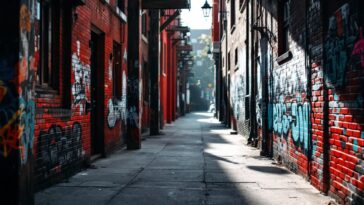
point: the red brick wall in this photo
(168, 73)
(63, 138)
(344, 74)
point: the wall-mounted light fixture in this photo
(206, 9)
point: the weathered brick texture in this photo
(63, 134)
(314, 108)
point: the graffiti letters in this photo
(292, 118)
(17, 108)
(27, 124)
(117, 109)
(59, 147)
(237, 94)
(116, 112)
(80, 87)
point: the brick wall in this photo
(317, 111)
(313, 110)
(18, 60)
(63, 134)
(343, 63)
(236, 68)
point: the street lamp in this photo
(206, 9)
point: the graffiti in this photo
(289, 81)
(17, 108)
(258, 109)
(117, 109)
(80, 88)
(9, 115)
(259, 96)
(237, 97)
(27, 124)
(25, 24)
(342, 34)
(237, 88)
(59, 147)
(292, 118)
(116, 112)
(314, 5)
(358, 52)
(133, 117)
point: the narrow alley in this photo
(196, 161)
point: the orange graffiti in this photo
(23, 69)
(25, 24)
(9, 136)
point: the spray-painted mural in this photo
(341, 37)
(344, 63)
(237, 93)
(59, 146)
(117, 109)
(17, 107)
(289, 108)
(292, 119)
(81, 85)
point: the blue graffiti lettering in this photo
(292, 118)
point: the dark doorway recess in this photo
(97, 92)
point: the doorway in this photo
(97, 92)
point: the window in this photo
(117, 71)
(144, 24)
(47, 73)
(121, 5)
(232, 14)
(283, 26)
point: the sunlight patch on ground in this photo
(205, 114)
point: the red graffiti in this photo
(358, 51)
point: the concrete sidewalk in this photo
(197, 161)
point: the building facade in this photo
(292, 75)
(79, 80)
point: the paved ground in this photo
(197, 161)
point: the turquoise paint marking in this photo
(355, 147)
(336, 97)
